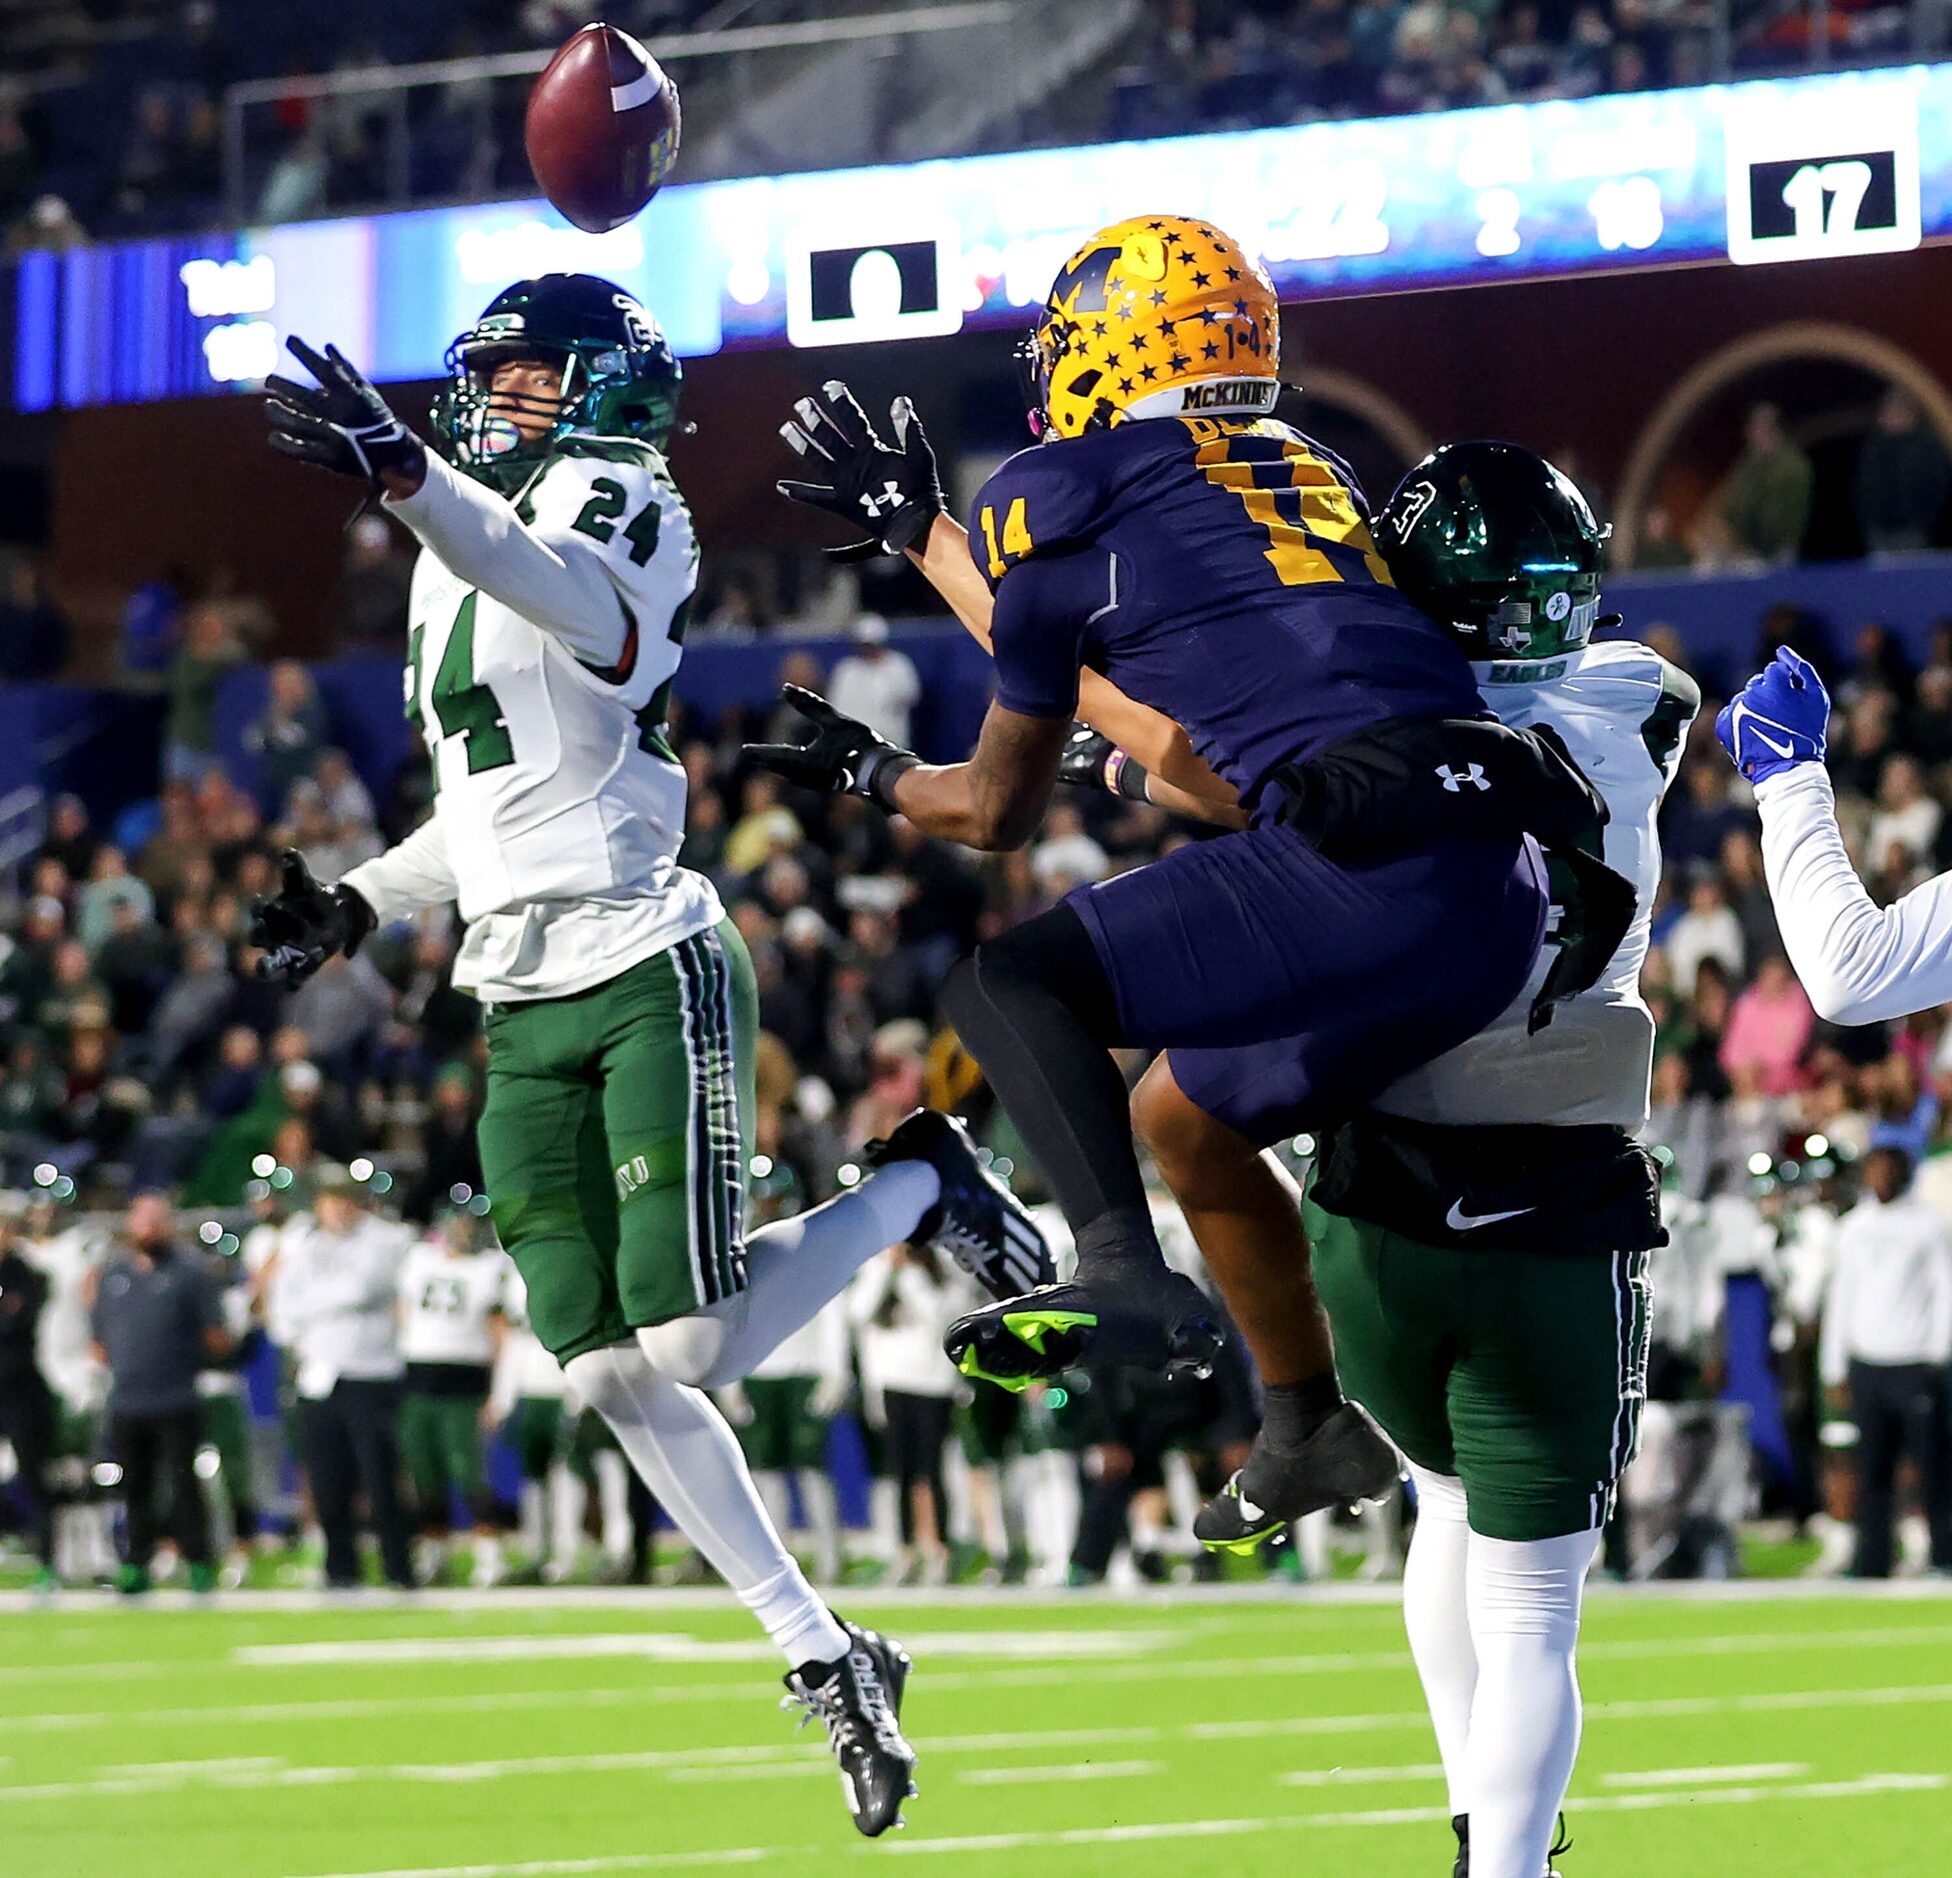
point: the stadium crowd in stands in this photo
(160, 69)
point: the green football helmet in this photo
(620, 376)
(1493, 542)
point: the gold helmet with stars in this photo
(1152, 317)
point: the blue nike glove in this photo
(1777, 720)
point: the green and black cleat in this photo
(1346, 1460)
(1460, 1823)
(978, 1221)
(1155, 1320)
(858, 1702)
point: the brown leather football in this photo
(602, 129)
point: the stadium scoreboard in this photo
(1790, 170)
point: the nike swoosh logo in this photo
(1744, 714)
(1460, 1221)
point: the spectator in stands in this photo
(1658, 544)
(71, 838)
(901, 1305)
(1526, 66)
(1908, 817)
(288, 734)
(157, 1321)
(138, 964)
(765, 827)
(1903, 477)
(1885, 1345)
(334, 1287)
(1769, 1028)
(347, 800)
(373, 587)
(209, 652)
(1763, 504)
(450, 1159)
(875, 682)
(1707, 930)
(34, 637)
(1747, 887)
(190, 1012)
(109, 886)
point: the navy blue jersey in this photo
(1220, 571)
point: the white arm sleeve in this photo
(1859, 962)
(557, 581)
(406, 878)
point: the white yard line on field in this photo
(1303, 1598)
(671, 1646)
(1348, 1776)
(1410, 1815)
(652, 1646)
(1064, 1770)
(660, 1759)
(1866, 1786)
(1706, 1776)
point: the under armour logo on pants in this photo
(1454, 780)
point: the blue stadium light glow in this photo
(1781, 170)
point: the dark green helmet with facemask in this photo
(620, 376)
(1493, 542)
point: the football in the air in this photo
(602, 129)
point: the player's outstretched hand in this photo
(893, 490)
(1777, 720)
(342, 424)
(843, 756)
(303, 924)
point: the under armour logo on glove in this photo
(889, 498)
(1454, 780)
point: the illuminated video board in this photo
(1787, 170)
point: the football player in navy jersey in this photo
(1169, 537)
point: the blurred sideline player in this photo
(1212, 562)
(785, 1408)
(547, 617)
(452, 1287)
(1481, 1231)
(70, 1252)
(783, 1412)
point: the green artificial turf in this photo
(1798, 1737)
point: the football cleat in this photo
(1146, 1319)
(1460, 1823)
(858, 1702)
(978, 1221)
(1347, 1459)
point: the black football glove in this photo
(1092, 761)
(894, 491)
(303, 924)
(342, 424)
(842, 757)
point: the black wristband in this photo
(879, 774)
(1126, 776)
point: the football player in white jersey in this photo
(1480, 1235)
(452, 1287)
(548, 617)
